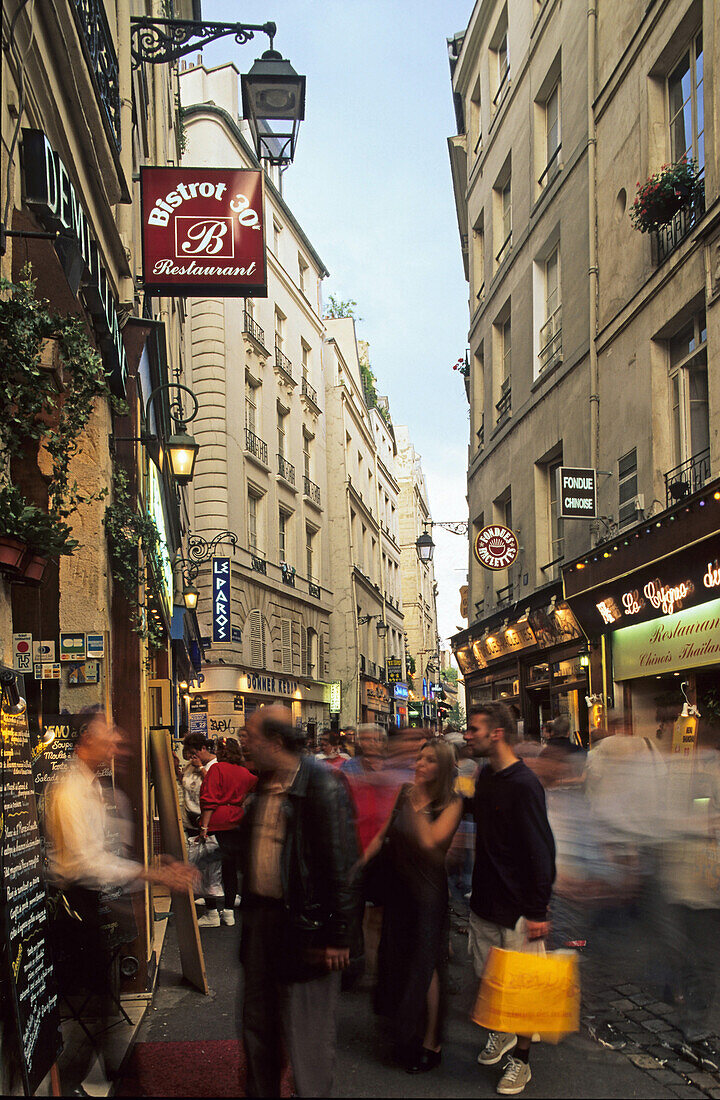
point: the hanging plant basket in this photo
(11, 553)
(33, 568)
(658, 200)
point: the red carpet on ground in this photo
(205, 1068)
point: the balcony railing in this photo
(283, 364)
(551, 340)
(504, 405)
(311, 490)
(253, 329)
(669, 236)
(551, 168)
(309, 392)
(286, 469)
(687, 478)
(314, 589)
(288, 574)
(505, 595)
(99, 51)
(256, 447)
(504, 249)
(259, 564)
(502, 88)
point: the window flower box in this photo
(659, 199)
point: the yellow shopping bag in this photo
(526, 993)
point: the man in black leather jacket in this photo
(299, 909)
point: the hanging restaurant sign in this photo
(50, 194)
(577, 493)
(496, 546)
(202, 232)
(221, 600)
(685, 580)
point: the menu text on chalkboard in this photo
(27, 961)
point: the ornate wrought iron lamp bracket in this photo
(162, 41)
(200, 550)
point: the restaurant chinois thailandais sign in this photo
(203, 232)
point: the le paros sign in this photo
(496, 546)
(202, 232)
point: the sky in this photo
(371, 187)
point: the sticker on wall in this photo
(72, 647)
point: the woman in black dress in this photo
(412, 960)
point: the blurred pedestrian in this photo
(224, 789)
(205, 856)
(514, 868)
(90, 869)
(373, 793)
(412, 960)
(299, 846)
(330, 750)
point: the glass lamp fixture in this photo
(182, 451)
(425, 547)
(191, 595)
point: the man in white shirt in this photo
(85, 868)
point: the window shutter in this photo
(286, 644)
(257, 647)
(321, 655)
(304, 652)
(297, 634)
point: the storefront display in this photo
(651, 602)
(537, 665)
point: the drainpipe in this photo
(592, 238)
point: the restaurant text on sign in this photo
(203, 231)
(578, 493)
(496, 546)
(221, 599)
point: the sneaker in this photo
(228, 917)
(515, 1078)
(498, 1043)
(210, 920)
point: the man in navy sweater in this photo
(514, 867)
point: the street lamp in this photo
(272, 92)
(380, 625)
(425, 546)
(190, 595)
(181, 449)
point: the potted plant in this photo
(662, 195)
(12, 545)
(39, 534)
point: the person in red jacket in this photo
(224, 788)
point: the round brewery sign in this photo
(496, 547)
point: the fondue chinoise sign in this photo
(496, 546)
(203, 232)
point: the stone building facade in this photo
(74, 108)
(591, 344)
(419, 589)
(257, 368)
(364, 535)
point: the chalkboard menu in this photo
(27, 962)
(54, 747)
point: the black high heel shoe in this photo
(427, 1060)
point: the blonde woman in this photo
(412, 960)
